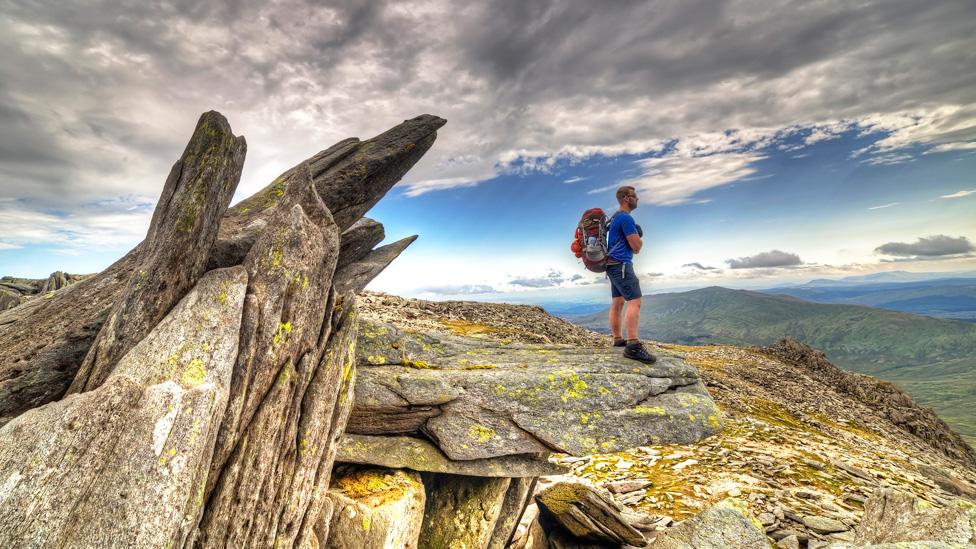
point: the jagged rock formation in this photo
(43, 342)
(217, 360)
(14, 291)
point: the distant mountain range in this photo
(935, 359)
(950, 298)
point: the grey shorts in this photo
(623, 281)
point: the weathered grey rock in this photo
(518, 496)
(421, 455)
(948, 482)
(588, 513)
(126, 464)
(915, 545)
(891, 516)
(461, 511)
(350, 177)
(521, 398)
(375, 508)
(249, 456)
(43, 341)
(823, 525)
(355, 276)
(265, 469)
(728, 523)
(358, 240)
(55, 281)
(9, 298)
(174, 254)
(626, 486)
(789, 542)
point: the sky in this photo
(769, 142)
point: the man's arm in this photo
(630, 231)
(635, 242)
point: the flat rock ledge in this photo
(478, 398)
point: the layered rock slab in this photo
(421, 455)
(477, 398)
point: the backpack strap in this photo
(608, 232)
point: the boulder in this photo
(891, 516)
(421, 455)
(461, 510)
(55, 281)
(126, 463)
(10, 298)
(728, 523)
(587, 513)
(478, 398)
(375, 508)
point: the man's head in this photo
(627, 197)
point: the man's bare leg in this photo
(631, 318)
(616, 317)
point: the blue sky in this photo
(798, 141)
(820, 202)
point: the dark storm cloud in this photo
(654, 48)
(772, 258)
(552, 279)
(699, 266)
(928, 247)
(98, 98)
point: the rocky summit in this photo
(229, 383)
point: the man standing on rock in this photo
(623, 241)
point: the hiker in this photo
(623, 241)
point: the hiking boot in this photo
(619, 342)
(636, 351)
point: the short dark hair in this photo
(624, 191)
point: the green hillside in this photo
(934, 359)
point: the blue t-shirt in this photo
(621, 225)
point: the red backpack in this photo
(590, 243)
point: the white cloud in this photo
(889, 159)
(959, 194)
(675, 178)
(883, 206)
(91, 228)
(950, 147)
